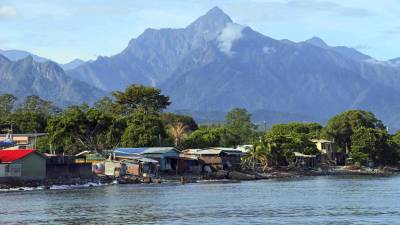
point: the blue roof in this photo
(139, 151)
(129, 150)
(6, 143)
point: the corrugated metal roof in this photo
(150, 150)
(26, 135)
(9, 156)
(298, 154)
(212, 151)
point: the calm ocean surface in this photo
(316, 200)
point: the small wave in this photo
(57, 187)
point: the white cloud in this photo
(7, 11)
(268, 50)
(231, 33)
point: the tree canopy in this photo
(140, 97)
(238, 121)
(341, 127)
(143, 130)
(373, 144)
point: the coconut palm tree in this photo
(258, 155)
(179, 131)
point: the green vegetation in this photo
(135, 118)
(341, 127)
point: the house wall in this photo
(10, 170)
(211, 159)
(33, 166)
(109, 167)
(75, 170)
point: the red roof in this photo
(9, 156)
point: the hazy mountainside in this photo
(72, 65)
(47, 80)
(15, 55)
(215, 65)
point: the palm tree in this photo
(258, 155)
(179, 131)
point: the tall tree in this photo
(238, 120)
(35, 104)
(173, 119)
(7, 104)
(374, 143)
(81, 126)
(179, 131)
(342, 126)
(144, 129)
(105, 105)
(312, 130)
(140, 97)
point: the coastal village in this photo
(130, 139)
(22, 164)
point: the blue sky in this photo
(68, 29)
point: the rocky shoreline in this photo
(221, 175)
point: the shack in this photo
(304, 161)
(94, 158)
(60, 166)
(22, 165)
(114, 168)
(167, 157)
(327, 150)
(217, 158)
(134, 166)
(189, 164)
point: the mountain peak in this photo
(316, 41)
(214, 19)
(216, 11)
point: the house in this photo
(189, 164)
(114, 168)
(304, 161)
(327, 149)
(142, 167)
(21, 139)
(217, 158)
(22, 164)
(167, 157)
(135, 166)
(94, 158)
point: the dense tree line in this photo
(357, 133)
(131, 118)
(135, 117)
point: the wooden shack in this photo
(217, 158)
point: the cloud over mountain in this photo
(229, 34)
(7, 11)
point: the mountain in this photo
(214, 64)
(47, 80)
(72, 65)
(15, 55)
(152, 57)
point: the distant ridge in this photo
(27, 77)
